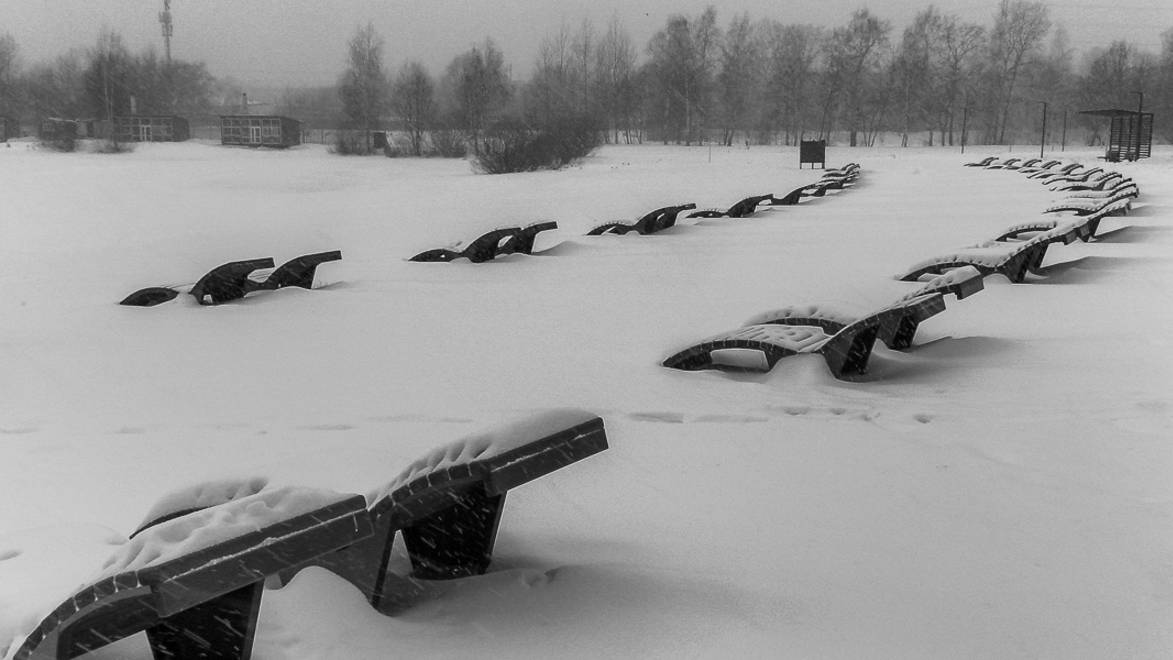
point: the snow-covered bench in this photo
(194, 582)
(523, 239)
(236, 279)
(1009, 163)
(490, 245)
(193, 572)
(1012, 260)
(1104, 181)
(1046, 173)
(759, 347)
(1082, 226)
(448, 504)
(745, 207)
(985, 162)
(1061, 179)
(650, 223)
(1120, 201)
(1039, 167)
(898, 321)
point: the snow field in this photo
(1000, 490)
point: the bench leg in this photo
(900, 335)
(456, 541)
(223, 627)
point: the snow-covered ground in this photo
(1002, 490)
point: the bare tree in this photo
(413, 99)
(737, 82)
(683, 57)
(955, 47)
(363, 86)
(913, 71)
(476, 88)
(792, 52)
(553, 90)
(9, 75)
(853, 65)
(58, 89)
(615, 83)
(108, 77)
(1019, 28)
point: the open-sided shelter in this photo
(1130, 133)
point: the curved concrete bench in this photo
(760, 347)
(1010, 260)
(236, 279)
(741, 209)
(899, 320)
(448, 504)
(490, 245)
(655, 221)
(193, 583)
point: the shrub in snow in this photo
(112, 147)
(350, 143)
(513, 146)
(447, 143)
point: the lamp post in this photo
(1139, 121)
(964, 121)
(1043, 138)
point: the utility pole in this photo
(1139, 121)
(964, 122)
(1043, 137)
(1063, 141)
(168, 29)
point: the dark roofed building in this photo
(151, 128)
(9, 128)
(260, 130)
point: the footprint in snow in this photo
(9, 554)
(663, 417)
(923, 418)
(327, 427)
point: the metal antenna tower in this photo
(168, 28)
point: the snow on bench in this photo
(1086, 206)
(759, 347)
(192, 574)
(1012, 260)
(448, 504)
(747, 206)
(899, 320)
(1047, 173)
(194, 582)
(1083, 227)
(650, 223)
(236, 279)
(490, 245)
(1032, 169)
(985, 162)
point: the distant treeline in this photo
(755, 79)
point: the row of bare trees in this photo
(769, 82)
(101, 82)
(695, 79)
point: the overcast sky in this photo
(289, 42)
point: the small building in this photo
(1130, 133)
(9, 128)
(260, 130)
(151, 128)
(53, 129)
